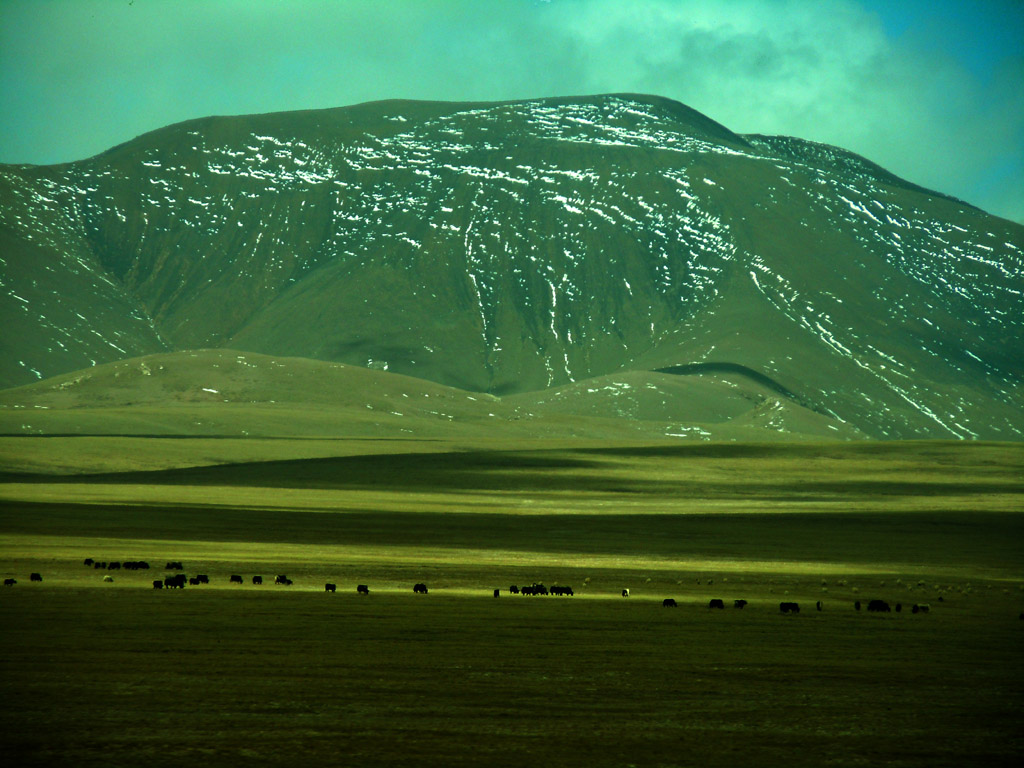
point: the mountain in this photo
(512, 248)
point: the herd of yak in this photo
(179, 580)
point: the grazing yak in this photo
(789, 607)
(235, 579)
(328, 587)
(716, 603)
(513, 590)
(419, 589)
(497, 593)
(175, 582)
(625, 593)
(818, 605)
(563, 591)
(668, 602)
(35, 577)
(257, 580)
(879, 606)
(10, 582)
(158, 584)
(89, 561)
(738, 603)
(282, 579)
(174, 565)
(362, 589)
(920, 608)
(194, 581)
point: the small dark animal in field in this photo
(102, 566)
(716, 603)
(328, 587)
(282, 579)
(174, 565)
(135, 565)
(789, 607)
(940, 599)
(879, 606)
(513, 590)
(420, 589)
(203, 578)
(89, 561)
(899, 607)
(738, 603)
(235, 579)
(114, 567)
(856, 606)
(175, 582)
(10, 582)
(362, 589)
(158, 584)
(193, 581)
(35, 577)
(818, 605)
(625, 593)
(563, 591)
(497, 592)
(535, 589)
(257, 579)
(668, 602)
(920, 608)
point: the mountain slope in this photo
(512, 247)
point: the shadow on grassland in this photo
(475, 470)
(946, 538)
(767, 472)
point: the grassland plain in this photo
(96, 673)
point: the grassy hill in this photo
(247, 396)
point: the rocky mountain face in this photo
(515, 247)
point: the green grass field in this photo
(102, 673)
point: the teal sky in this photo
(933, 90)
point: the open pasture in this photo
(98, 672)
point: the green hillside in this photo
(230, 394)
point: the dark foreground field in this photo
(221, 678)
(105, 673)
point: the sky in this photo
(932, 90)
